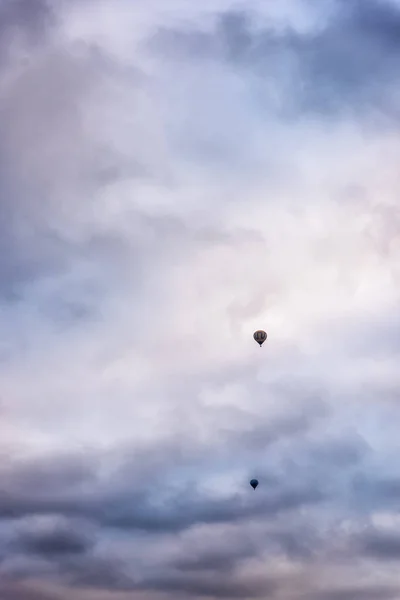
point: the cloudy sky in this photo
(174, 175)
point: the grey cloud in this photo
(58, 542)
(251, 433)
(374, 335)
(300, 544)
(144, 490)
(131, 503)
(338, 452)
(226, 554)
(20, 591)
(134, 512)
(31, 18)
(358, 593)
(43, 486)
(214, 586)
(349, 63)
(122, 518)
(221, 560)
(93, 572)
(382, 545)
(382, 490)
(46, 473)
(51, 171)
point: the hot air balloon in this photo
(254, 483)
(260, 336)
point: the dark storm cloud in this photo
(349, 63)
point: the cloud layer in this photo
(173, 177)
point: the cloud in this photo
(53, 543)
(324, 70)
(173, 178)
(359, 592)
(380, 544)
(143, 492)
(14, 591)
(214, 586)
(30, 21)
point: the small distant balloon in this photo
(260, 336)
(254, 483)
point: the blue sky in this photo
(173, 176)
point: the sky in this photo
(173, 176)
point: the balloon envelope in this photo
(254, 483)
(260, 336)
